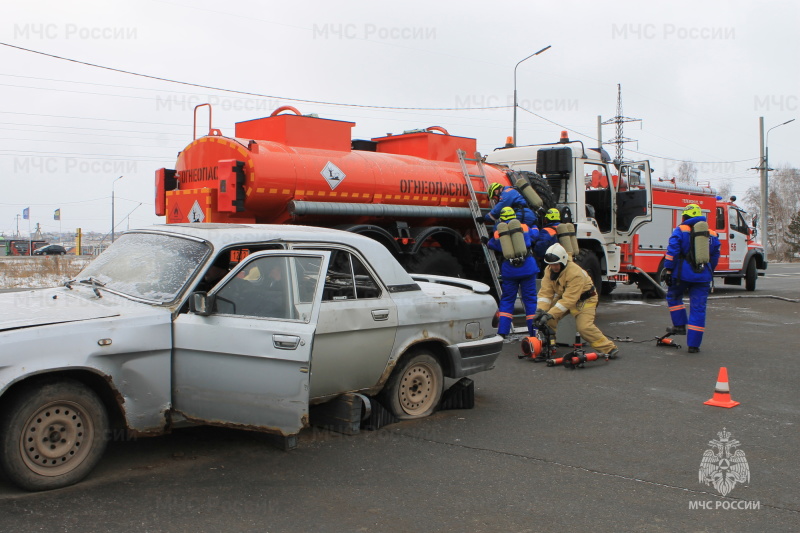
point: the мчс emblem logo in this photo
(723, 467)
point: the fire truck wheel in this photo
(750, 276)
(415, 387)
(647, 288)
(608, 287)
(589, 262)
(434, 261)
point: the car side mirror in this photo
(201, 303)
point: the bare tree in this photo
(725, 189)
(687, 173)
(784, 202)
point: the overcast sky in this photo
(698, 74)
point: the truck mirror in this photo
(201, 303)
(755, 221)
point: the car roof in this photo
(221, 236)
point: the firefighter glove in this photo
(480, 219)
(668, 278)
(543, 320)
(484, 240)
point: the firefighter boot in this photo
(677, 330)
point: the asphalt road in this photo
(615, 446)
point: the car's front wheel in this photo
(415, 387)
(52, 435)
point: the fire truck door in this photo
(737, 239)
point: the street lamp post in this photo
(515, 90)
(112, 207)
(765, 191)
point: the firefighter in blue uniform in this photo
(548, 235)
(683, 273)
(506, 196)
(518, 275)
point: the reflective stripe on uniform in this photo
(677, 307)
(562, 307)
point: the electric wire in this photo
(246, 93)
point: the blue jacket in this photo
(680, 243)
(528, 266)
(548, 236)
(511, 197)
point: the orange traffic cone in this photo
(722, 392)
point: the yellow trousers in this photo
(584, 322)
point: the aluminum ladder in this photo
(475, 209)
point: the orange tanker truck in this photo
(408, 191)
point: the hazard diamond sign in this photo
(196, 213)
(333, 175)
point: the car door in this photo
(247, 362)
(356, 328)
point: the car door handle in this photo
(285, 342)
(380, 314)
(732, 235)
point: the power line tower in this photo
(619, 120)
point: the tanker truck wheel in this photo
(591, 264)
(434, 261)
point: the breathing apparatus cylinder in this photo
(573, 237)
(504, 236)
(702, 254)
(517, 238)
(563, 231)
(528, 193)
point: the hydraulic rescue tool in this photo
(577, 357)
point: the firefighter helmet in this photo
(553, 215)
(692, 210)
(556, 254)
(507, 213)
(494, 189)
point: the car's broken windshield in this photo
(146, 265)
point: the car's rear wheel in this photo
(415, 387)
(52, 435)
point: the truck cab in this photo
(608, 202)
(741, 256)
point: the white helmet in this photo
(556, 254)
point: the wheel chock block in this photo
(461, 395)
(378, 417)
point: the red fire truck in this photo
(742, 257)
